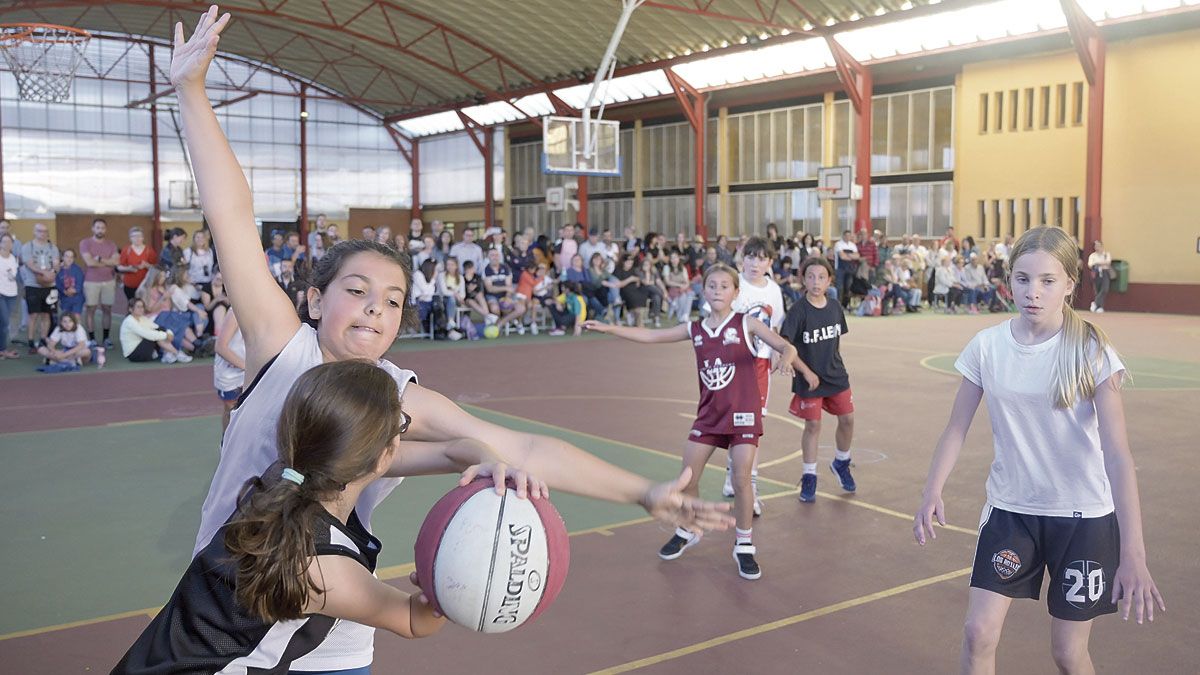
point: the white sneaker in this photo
(727, 489)
(168, 358)
(1092, 308)
(1099, 310)
(520, 329)
(757, 507)
(183, 358)
(491, 319)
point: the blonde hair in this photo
(1083, 344)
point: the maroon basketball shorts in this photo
(841, 403)
(1015, 550)
(724, 441)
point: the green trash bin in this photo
(1121, 283)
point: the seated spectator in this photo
(602, 295)
(570, 309)
(383, 235)
(368, 233)
(444, 242)
(652, 283)
(946, 286)
(277, 253)
(428, 251)
(143, 340)
(976, 281)
(523, 300)
(473, 295)
(911, 281)
(497, 286)
(185, 298)
(69, 282)
(628, 282)
(159, 309)
(679, 288)
(68, 344)
(290, 283)
(425, 291)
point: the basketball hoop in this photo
(43, 57)
(824, 193)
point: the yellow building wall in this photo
(1152, 157)
(1023, 164)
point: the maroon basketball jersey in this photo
(730, 400)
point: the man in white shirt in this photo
(846, 254)
(591, 247)
(467, 249)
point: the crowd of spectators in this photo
(466, 282)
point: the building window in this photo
(1026, 214)
(983, 113)
(1044, 108)
(1014, 109)
(1075, 217)
(1060, 106)
(1010, 213)
(1058, 211)
(1041, 211)
(998, 118)
(995, 219)
(1028, 108)
(1077, 104)
(983, 215)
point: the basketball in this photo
(491, 563)
(491, 332)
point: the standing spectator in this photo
(229, 366)
(777, 242)
(679, 288)
(296, 253)
(277, 253)
(69, 283)
(39, 264)
(8, 292)
(468, 251)
(847, 257)
(332, 236)
(948, 238)
(1100, 264)
(565, 248)
(134, 263)
(416, 237)
(201, 263)
(444, 241)
(142, 340)
(368, 233)
(868, 251)
(172, 253)
(68, 345)
(317, 238)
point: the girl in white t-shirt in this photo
(1061, 494)
(9, 265)
(69, 344)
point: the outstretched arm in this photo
(786, 350)
(268, 318)
(561, 465)
(1132, 586)
(645, 335)
(944, 457)
(354, 594)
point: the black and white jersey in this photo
(203, 629)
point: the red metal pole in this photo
(862, 155)
(1, 169)
(304, 164)
(156, 225)
(488, 216)
(1091, 48)
(695, 109)
(415, 165)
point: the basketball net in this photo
(43, 57)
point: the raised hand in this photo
(668, 503)
(190, 58)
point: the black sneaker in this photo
(680, 542)
(841, 467)
(747, 566)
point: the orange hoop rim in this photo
(16, 32)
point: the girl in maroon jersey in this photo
(729, 413)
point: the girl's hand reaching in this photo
(598, 326)
(190, 58)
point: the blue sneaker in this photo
(841, 467)
(808, 487)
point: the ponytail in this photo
(1081, 352)
(271, 540)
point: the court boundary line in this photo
(781, 623)
(925, 363)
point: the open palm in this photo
(190, 59)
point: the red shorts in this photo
(724, 441)
(841, 403)
(762, 368)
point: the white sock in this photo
(810, 468)
(840, 454)
(743, 536)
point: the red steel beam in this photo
(489, 217)
(415, 164)
(156, 223)
(695, 109)
(857, 82)
(1092, 50)
(304, 166)
(1, 170)
(238, 99)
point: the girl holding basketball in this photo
(729, 413)
(353, 310)
(295, 557)
(1061, 493)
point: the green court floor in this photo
(101, 520)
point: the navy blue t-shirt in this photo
(816, 333)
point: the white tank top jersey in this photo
(1048, 460)
(248, 449)
(763, 303)
(226, 376)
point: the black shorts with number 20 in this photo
(1082, 554)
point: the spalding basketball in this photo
(491, 563)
